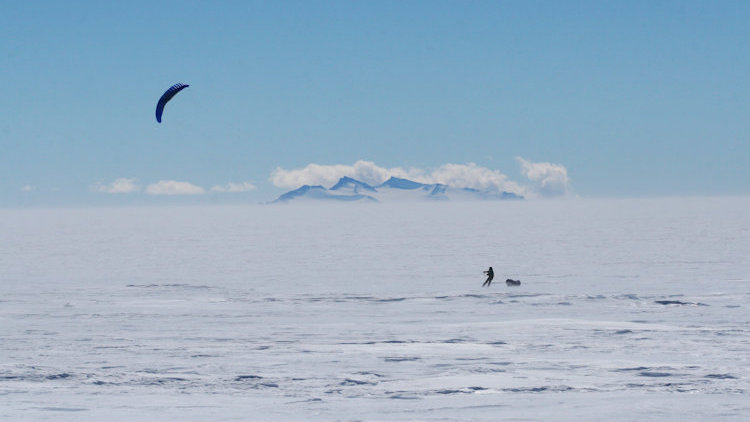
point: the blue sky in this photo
(631, 98)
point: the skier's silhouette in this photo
(490, 276)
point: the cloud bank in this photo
(543, 179)
(546, 179)
(173, 187)
(472, 176)
(121, 185)
(318, 174)
(166, 187)
(549, 179)
(234, 187)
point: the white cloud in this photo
(471, 176)
(234, 187)
(172, 187)
(458, 175)
(327, 175)
(121, 185)
(28, 188)
(549, 179)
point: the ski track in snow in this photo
(627, 310)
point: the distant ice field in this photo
(628, 310)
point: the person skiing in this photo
(490, 276)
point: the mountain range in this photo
(393, 189)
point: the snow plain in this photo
(629, 310)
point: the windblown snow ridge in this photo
(394, 189)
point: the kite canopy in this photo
(168, 94)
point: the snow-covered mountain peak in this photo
(355, 185)
(398, 183)
(394, 189)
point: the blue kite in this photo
(168, 94)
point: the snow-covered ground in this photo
(628, 310)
